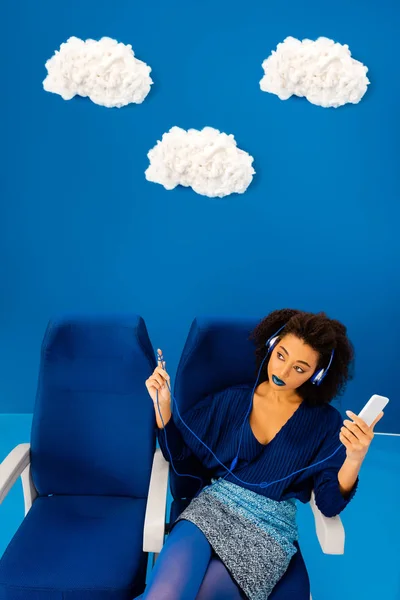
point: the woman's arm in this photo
(173, 436)
(330, 497)
(336, 484)
(171, 441)
(356, 436)
(348, 476)
(170, 438)
(163, 412)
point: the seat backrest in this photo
(217, 354)
(93, 430)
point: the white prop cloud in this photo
(207, 161)
(323, 71)
(106, 71)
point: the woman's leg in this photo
(218, 584)
(295, 582)
(181, 566)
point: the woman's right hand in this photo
(159, 382)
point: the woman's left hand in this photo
(357, 436)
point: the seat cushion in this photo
(77, 548)
(294, 584)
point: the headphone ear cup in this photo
(317, 378)
(320, 375)
(271, 344)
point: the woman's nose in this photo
(286, 372)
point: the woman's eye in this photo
(280, 356)
(299, 369)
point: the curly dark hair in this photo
(323, 335)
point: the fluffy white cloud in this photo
(323, 71)
(106, 71)
(207, 161)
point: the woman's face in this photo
(292, 363)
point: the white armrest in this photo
(15, 465)
(154, 523)
(330, 530)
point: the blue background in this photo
(82, 230)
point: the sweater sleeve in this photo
(328, 496)
(171, 440)
(172, 443)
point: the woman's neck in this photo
(278, 397)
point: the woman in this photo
(236, 538)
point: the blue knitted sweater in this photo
(310, 435)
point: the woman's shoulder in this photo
(219, 397)
(325, 411)
(228, 394)
(216, 405)
(234, 395)
(327, 421)
(332, 416)
(240, 389)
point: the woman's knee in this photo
(180, 568)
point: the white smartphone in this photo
(373, 408)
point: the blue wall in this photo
(82, 230)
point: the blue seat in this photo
(85, 487)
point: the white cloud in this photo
(323, 71)
(207, 161)
(106, 71)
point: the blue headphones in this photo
(318, 376)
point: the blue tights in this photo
(187, 570)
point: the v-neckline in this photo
(278, 433)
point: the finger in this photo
(164, 376)
(163, 373)
(153, 385)
(345, 441)
(359, 422)
(157, 379)
(346, 434)
(351, 429)
(378, 418)
(348, 445)
(354, 443)
(350, 437)
(160, 357)
(160, 379)
(357, 432)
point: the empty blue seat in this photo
(88, 467)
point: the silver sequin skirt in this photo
(253, 535)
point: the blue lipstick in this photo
(278, 381)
